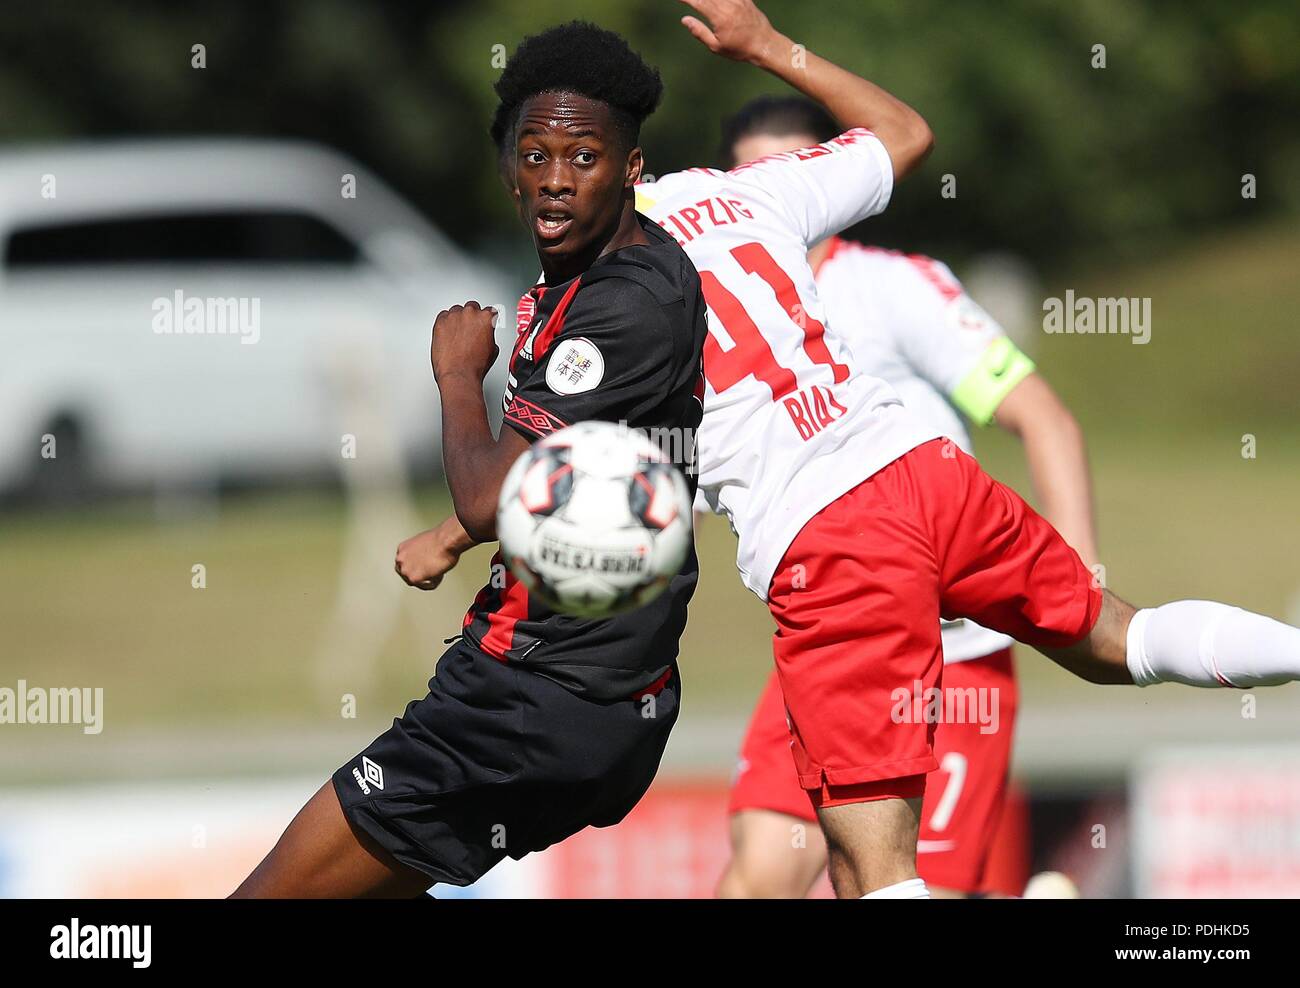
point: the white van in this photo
(176, 312)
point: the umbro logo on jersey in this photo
(526, 350)
(374, 776)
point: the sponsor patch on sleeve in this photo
(967, 315)
(575, 366)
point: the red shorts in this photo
(965, 799)
(858, 597)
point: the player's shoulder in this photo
(661, 196)
(850, 142)
(655, 274)
(617, 303)
(685, 182)
(844, 255)
(888, 270)
(850, 255)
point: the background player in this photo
(906, 319)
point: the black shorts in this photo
(498, 761)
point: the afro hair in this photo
(777, 116)
(581, 58)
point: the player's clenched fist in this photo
(464, 341)
(736, 29)
(423, 560)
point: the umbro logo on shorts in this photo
(374, 776)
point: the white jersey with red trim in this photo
(790, 424)
(906, 318)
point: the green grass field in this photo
(104, 597)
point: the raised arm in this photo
(475, 461)
(738, 30)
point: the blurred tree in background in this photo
(1051, 155)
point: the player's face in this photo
(572, 177)
(761, 145)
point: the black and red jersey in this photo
(622, 342)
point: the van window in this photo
(202, 238)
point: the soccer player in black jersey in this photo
(537, 724)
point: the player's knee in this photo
(855, 872)
(871, 844)
(733, 883)
(773, 875)
(847, 854)
(773, 856)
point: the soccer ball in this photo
(594, 520)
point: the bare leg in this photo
(872, 845)
(319, 856)
(1102, 656)
(1200, 643)
(773, 856)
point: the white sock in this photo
(913, 888)
(1205, 643)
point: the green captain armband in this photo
(1000, 368)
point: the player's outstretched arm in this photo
(738, 30)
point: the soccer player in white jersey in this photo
(858, 523)
(906, 319)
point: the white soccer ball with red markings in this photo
(594, 520)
